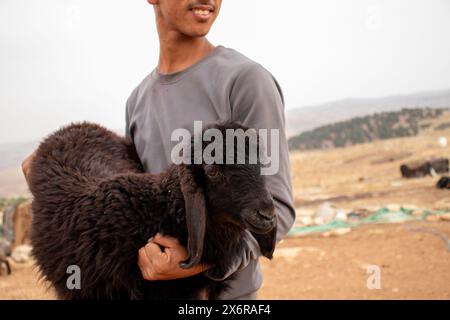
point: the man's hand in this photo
(26, 166)
(165, 265)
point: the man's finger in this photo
(152, 250)
(144, 260)
(158, 258)
(165, 241)
(145, 264)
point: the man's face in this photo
(192, 18)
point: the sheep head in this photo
(227, 193)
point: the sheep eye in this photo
(211, 171)
(214, 173)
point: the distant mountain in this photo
(12, 182)
(306, 118)
(297, 121)
(13, 154)
(380, 126)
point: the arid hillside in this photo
(368, 175)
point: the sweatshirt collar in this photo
(175, 76)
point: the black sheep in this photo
(94, 207)
(5, 268)
(443, 183)
(5, 251)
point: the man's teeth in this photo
(201, 12)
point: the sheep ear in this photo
(195, 217)
(267, 242)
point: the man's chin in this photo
(199, 32)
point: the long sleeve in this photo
(257, 102)
(131, 102)
(127, 124)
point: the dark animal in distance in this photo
(444, 183)
(94, 207)
(5, 268)
(422, 169)
(5, 251)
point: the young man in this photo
(195, 81)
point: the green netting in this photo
(335, 224)
(426, 213)
(383, 215)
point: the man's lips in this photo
(202, 7)
(202, 12)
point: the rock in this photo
(363, 179)
(442, 142)
(397, 183)
(393, 207)
(306, 220)
(288, 253)
(432, 218)
(326, 212)
(341, 231)
(21, 253)
(319, 220)
(336, 232)
(341, 215)
(445, 217)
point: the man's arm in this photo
(131, 103)
(160, 258)
(257, 102)
(157, 264)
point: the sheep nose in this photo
(266, 214)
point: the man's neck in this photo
(178, 52)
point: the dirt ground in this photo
(413, 266)
(24, 284)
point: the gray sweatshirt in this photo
(223, 86)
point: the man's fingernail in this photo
(150, 240)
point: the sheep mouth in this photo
(260, 223)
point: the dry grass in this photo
(368, 175)
(24, 284)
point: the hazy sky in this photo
(70, 60)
